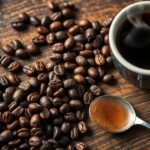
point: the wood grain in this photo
(136, 138)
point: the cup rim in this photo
(112, 41)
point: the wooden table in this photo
(137, 138)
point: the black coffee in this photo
(133, 41)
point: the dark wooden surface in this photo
(136, 138)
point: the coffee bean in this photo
(67, 5)
(23, 133)
(7, 98)
(88, 46)
(7, 117)
(81, 60)
(14, 66)
(23, 17)
(64, 141)
(105, 50)
(45, 114)
(90, 34)
(24, 121)
(59, 70)
(74, 134)
(57, 101)
(39, 66)
(29, 70)
(16, 44)
(14, 143)
(43, 88)
(55, 84)
(70, 117)
(92, 72)
(33, 82)
(97, 42)
(56, 26)
(68, 23)
(17, 112)
(10, 90)
(64, 108)
(86, 53)
(88, 98)
(56, 57)
(78, 47)
(104, 30)
(56, 16)
(49, 91)
(96, 26)
(35, 121)
(54, 112)
(52, 6)
(84, 23)
(50, 65)
(108, 78)
(35, 141)
(13, 126)
(13, 79)
(79, 79)
(13, 105)
(33, 97)
(80, 90)
(107, 22)
(100, 72)
(6, 135)
(74, 30)
(68, 83)
(81, 115)
(91, 62)
(65, 127)
(69, 43)
(5, 60)
(106, 39)
(34, 107)
(58, 48)
(99, 59)
(56, 132)
(79, 38)
(45, 146)
(45, 102)
(42, 77)
(96, 90)
(3, 106)
(32, 49)
(69, 56)
(4, 81)
(61, 36)
(35, 21)
(48, 130)
(80, 70)
(36, 132)
(18, 25)
(109, 60)
(80, 146)
(21, 53)
(70, 147)
(73, 93)
(58, 121)
(82, 127)
(69, 65)
(8, 49)
(39, 40)
(53, 76)
(59, 92)
(50, 38)
(42, 30)
(76, 104)
(67, 13)
(18, 95)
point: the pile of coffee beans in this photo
(49, 110)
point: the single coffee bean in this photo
(106, 39)
(105, 50)
(65, 127)
(64, 141)
(16, 44)
(45, 101)
(104, 31)
(53, 76)
(23, 17)
(33, 82)
(18, 25)
(13, 126)
(7, 98)
(88, 98)
(57, 101)
(46, 145)
(79, 79)
(43, 88)
(50, 38)
(68, 23)
(88, 46)
(108, 78)
(76, 104)
(13, 79)
(81, 115)
(50, 65)
(3, 106)
(58, 121)
(58, 48)
(92, 72)
(86, 53)
(14, 143)
(8, 49)
(42, 30)
(65, 99)
(90, 80)
(6, 135)
(42, 77)
(68, 83)
(45, 21)
(4, 81)
(81, 60)
(96, 26)
(96, 90)
(91, 62)
(35, 120)
(80, 70)
(52, 6)
(59, 70)
(69, 43)
(21, 53)
(33, 97)
(49, 91)
(90, 34)
(70, 117)
(39, 66)
(64, 108)
(70, 147)
(56, 132)
(59, 92)
(24, 121)
(13, 105)
(107, 22)
(69, 65)
(55, 84)
(79, 38)
(73, 93)
(56, 57)
(98, 42)
(35, 21)
(18, 95)
(78, 47)
(7, 117)
(67, 5)
(80, 90)
(10, 90)
(39, 40)
(80, 146)
(34, 107)
(23, 133)
(74, 134)
(67, 13)
(36, 132)
(109, 60)
(56, 26)
(99, 59)
(54, 112)
(69, 56)
(48, 129)
(61, 36)
(5, 60)
(32, 49)
(100, 72)
(17, 112)
(56, 16)
(29, 70)
(84, 23)
(35, 141)
(14, 66)
(74, 30)
(45, 114)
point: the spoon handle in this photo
(139, 121)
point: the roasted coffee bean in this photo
(18, 25)
(45, 146)
(88, 46)
(58, 48)
(18, 95)
(13, 79)
(50, 38)
(33, 82)
(35, 121)
(59, 70)
(42, 77)
(104, 30)
(96, 90)
(4, 81)
(18, 111)
(7, 117)
(107, 22)
(74, 134)
(42, 30)
(29, 70)
(13, 105)
(8, 49)
(23, 133)
(107, 78)
(57, 101)
(105, 50)
(43, 88)
(45, 21)
(58, 121)
(67, 13)
(6, 135)
(80, 90)
(82, 127)
(33, 97)
(32, 49)
(88, 98)
(73, 93)
(14, 143)
(16, 44)
(76, 104)
(13, 126)
(52, 6)
(79, 38)
(14, 66)
(34, 107)
(69, 43)
(64, 108)
(61, 36)
(56, 26)
(68, 23)
(65, 99)
(78, 47)
(10, 90)
(49, 91)
(54, 112)
(48, 129)
(74, 30)
(45, 114)
(3, 106)
(69, 56)
(64, 141)
(70, 147)
(109, 60)
(69, 65)
(100, 72)
(5, 60)
(35, 141)
(67, 5)
(79, 79)
(106, 39)
(21, 53)
(50, 65)
(45, 101)
(92, 72)
(39, 40)
(23, 17)
(56, 132)
(86, 53)
(55, 84)
(24, 121)
(35, 21)
(81, 115)
(97, 42)
(36, 132)
(96, 26)
(70, 117)
(68, 83)
(80, 146)
(84, 23)
(80, 70)
(99, 59)
(7, 98)
(56, 57)
(91, 62)
(59, 92)
(24, 146)
(39, 66)
(53, 76)
(81, 60)
(90, 34)
(56, 16)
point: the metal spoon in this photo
(133, 119)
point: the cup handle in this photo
(139, 121)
